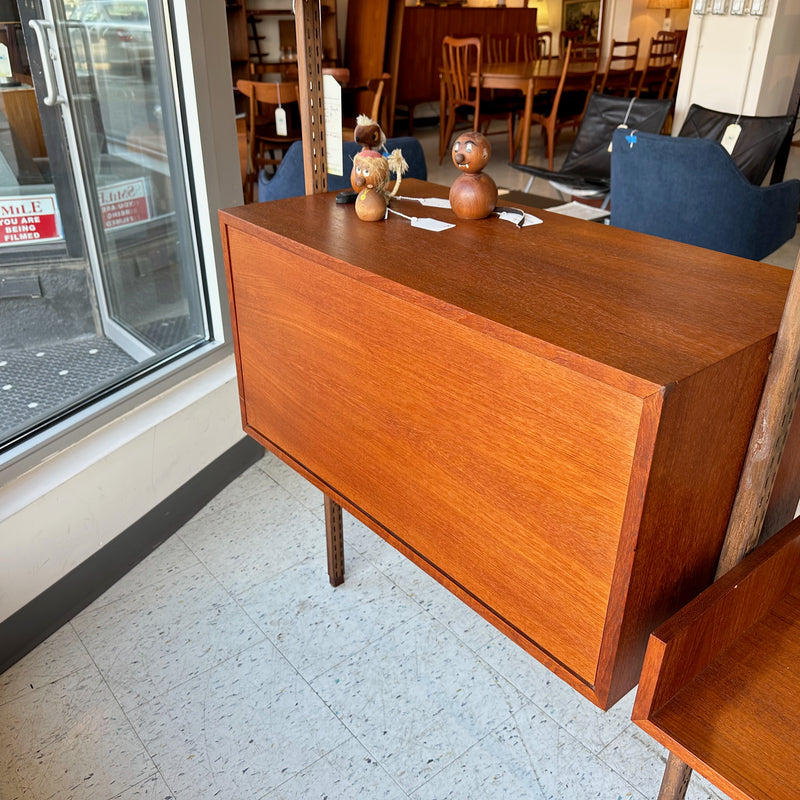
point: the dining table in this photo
(531, 77)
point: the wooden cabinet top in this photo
(629, 309)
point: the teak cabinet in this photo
(550, 421)
(721, 681)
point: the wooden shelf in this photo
(720, 685)
(246, 34)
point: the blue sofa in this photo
(289, 178)
(690, 190)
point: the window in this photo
(100, 280)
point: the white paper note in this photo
(332, 100)
(580, 211)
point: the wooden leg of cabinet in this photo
(675, 780)
(334, 534)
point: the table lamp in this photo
(668, 5)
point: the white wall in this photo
(645, 23)
(61, 511)
(741, 64)
(57, 515)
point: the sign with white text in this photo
(124, 203)
(28, 220)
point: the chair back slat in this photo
(661, 60)
(620, 68)
(536, 46)
(460, 59)
(502, 47)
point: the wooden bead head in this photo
(471, 152)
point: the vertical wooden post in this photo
(308, 28)
(773, 420)
(334, 534)
(676, 779)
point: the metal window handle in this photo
(49, 55)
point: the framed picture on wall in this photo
(584, 16)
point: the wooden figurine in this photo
(370, 173)
(369, 133)
(370, 177)
(473, 194)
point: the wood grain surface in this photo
(721, 683)
(551, 421)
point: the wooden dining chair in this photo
(264, 141)
(536, 46)
(502, 47)
(568, 104)
(379, 89)
(659, 65)
(462, 61)
(620, 70)
(574, 37)
(675, 73)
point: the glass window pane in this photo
(99, 274)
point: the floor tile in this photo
(153, 788)
(301, 489)
(357, 535)
(343, 774)
(256, 539)
(417, 699)
(251, 482)
(167, 560)
(175, 630)
(316, 625)
(239, 730)
(69, 740)
(588, 724)
(528, 756)
(55, 658)
(441, 603)
(641, 761)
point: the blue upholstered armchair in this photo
(289, 178)
(689, 190)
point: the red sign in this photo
(124, 203)
(24, 220)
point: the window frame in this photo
(201, 82)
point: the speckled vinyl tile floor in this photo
(225, 666)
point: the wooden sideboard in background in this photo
(424, 27)
(406, 42)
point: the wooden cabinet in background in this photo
(423, 29)
(372, 46)
(238, 42)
